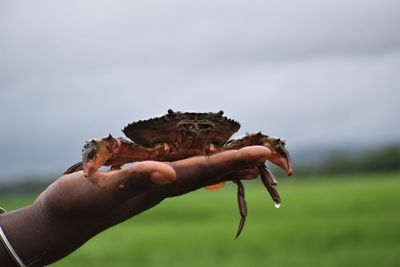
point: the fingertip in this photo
(163, 177)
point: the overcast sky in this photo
(319, 73)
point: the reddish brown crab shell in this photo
(207, 128)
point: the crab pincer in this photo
(280, 157)
(95, 154)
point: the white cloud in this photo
(315, 72)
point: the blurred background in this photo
(324, 75)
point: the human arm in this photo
(74, 208)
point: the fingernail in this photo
(158, 178)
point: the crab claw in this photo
(280, 154)
(95, 153)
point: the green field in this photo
(330, 221)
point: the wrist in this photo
(36, 236)
(20, 229)
(5, 257)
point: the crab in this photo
(179, 135)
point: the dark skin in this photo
(75, 208)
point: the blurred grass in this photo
(334, 221)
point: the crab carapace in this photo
(180, 135)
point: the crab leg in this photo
(74, 168)
(242, 206)
(270, 178)
(269, 182)
(279, 153)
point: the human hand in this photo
(75, 208)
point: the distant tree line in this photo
(30, 186)
(378, 160)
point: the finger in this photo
(140, 186)
(198, 172)
(137, 177)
